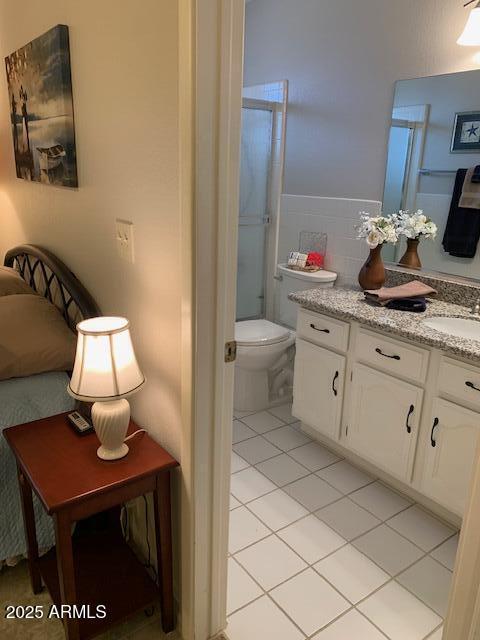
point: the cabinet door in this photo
(318, 388)
(384, 419)
(453, 435)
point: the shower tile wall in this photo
(336, 217)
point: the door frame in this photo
(217, 28)
(210, 98)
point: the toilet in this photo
(265, 350)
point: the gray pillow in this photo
(34, 337)
(11, 282)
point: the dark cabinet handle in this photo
(433, 442)
(312, 326)
(385, 355)
(335, 392)
(471, 385)
(410, 411)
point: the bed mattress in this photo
(24, 400)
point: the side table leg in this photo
(30, 531)
(66, 571)
(163, 534)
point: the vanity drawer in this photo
(391, 355)
(460, 382)
(323, 330)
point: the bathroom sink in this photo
(461, 327)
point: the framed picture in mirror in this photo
(466, 132)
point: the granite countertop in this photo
(350, 304)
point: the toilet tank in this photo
(289, 281)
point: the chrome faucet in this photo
(475, 310)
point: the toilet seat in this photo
(251, 333)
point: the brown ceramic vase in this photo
(372, 274)
(410, 258)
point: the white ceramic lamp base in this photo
(111, 420)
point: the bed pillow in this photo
(11, 282)
(34, 337)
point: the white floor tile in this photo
(388, 549)
(351, 626)
(262, 421)
(238, 463)
(421, 528)
(256, 450)
(379, 500)
(430, 582)
(245, 529)
(262, 619)
(447, 552)
(234, 503)
(249, 484)
(286, 438)
(347, 518)
(241, 588)
(399, 614)
(437, 635)
(241, 432)
(284, 412)
(310, 601)
(345, 477)
(313, 492)
(313, 456)
(282, 469)
(352, 573)
(270, 562)
(277, 509)
(311, 538)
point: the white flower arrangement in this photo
(414, 225)
(377, 229)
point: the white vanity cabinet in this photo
(318, 387)
(450, 453)
(406, 409)
(384, 420)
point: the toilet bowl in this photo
(266, 350)
(262, 355)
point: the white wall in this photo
(125, 77)
(342, 58)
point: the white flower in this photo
(414, 225)
(377, 229)
(374, 238)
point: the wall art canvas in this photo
(466, 132)
(41, 109)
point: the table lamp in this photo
(106, 372)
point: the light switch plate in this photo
(124, 238)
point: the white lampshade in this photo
(471, 34)
(105, 364)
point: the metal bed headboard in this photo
(51, 278)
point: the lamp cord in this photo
(135, 433)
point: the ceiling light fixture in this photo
(471, 34)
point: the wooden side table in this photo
(73, 483)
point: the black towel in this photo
(417, 305)
(476, 174)
(463, 225)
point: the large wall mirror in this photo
(434, 141)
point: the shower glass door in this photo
(255, 168)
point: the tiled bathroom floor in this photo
(318, 549)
